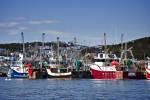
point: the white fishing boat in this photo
(56, 67)
(58, 71)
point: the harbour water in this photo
(76, 89)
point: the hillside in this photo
(141, 47)
(6, 49)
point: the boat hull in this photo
(118, 75)
(96, 74)
(147, 73)
(148, 76)
(58, 75)
(15, 74)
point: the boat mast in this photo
(105, 47)
(42, 48)
(126, 51)
(122, 51)
(121, 42)
(43, 40)
(58, 49)
(22, 38)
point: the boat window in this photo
(63, 70)
(69, 70)
(114, 60)
(111, 55)
(53, 62)
(101, 55)
(54, 70)
(99, 60)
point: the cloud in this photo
(16, 30)
(38, 22)
(20, 24)
(12, 27)
(8, 24)
(19, 18)
(55, 32)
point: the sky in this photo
(87, 20)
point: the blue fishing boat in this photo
(18, 69)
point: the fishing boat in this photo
(57, 67)
(104, 66)
(58, 71)
(18, 69)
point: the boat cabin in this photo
(103, 59)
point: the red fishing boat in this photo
(104, 66)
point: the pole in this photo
(42, 48)
(43, 40)
(58, 49)
(22, 38)
(126, 51)
(105, 48)
(121, 42)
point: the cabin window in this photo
(54, 70)
(114, 60)
(63, 70)
(101, 55)
(111, 56)
(99, 60)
